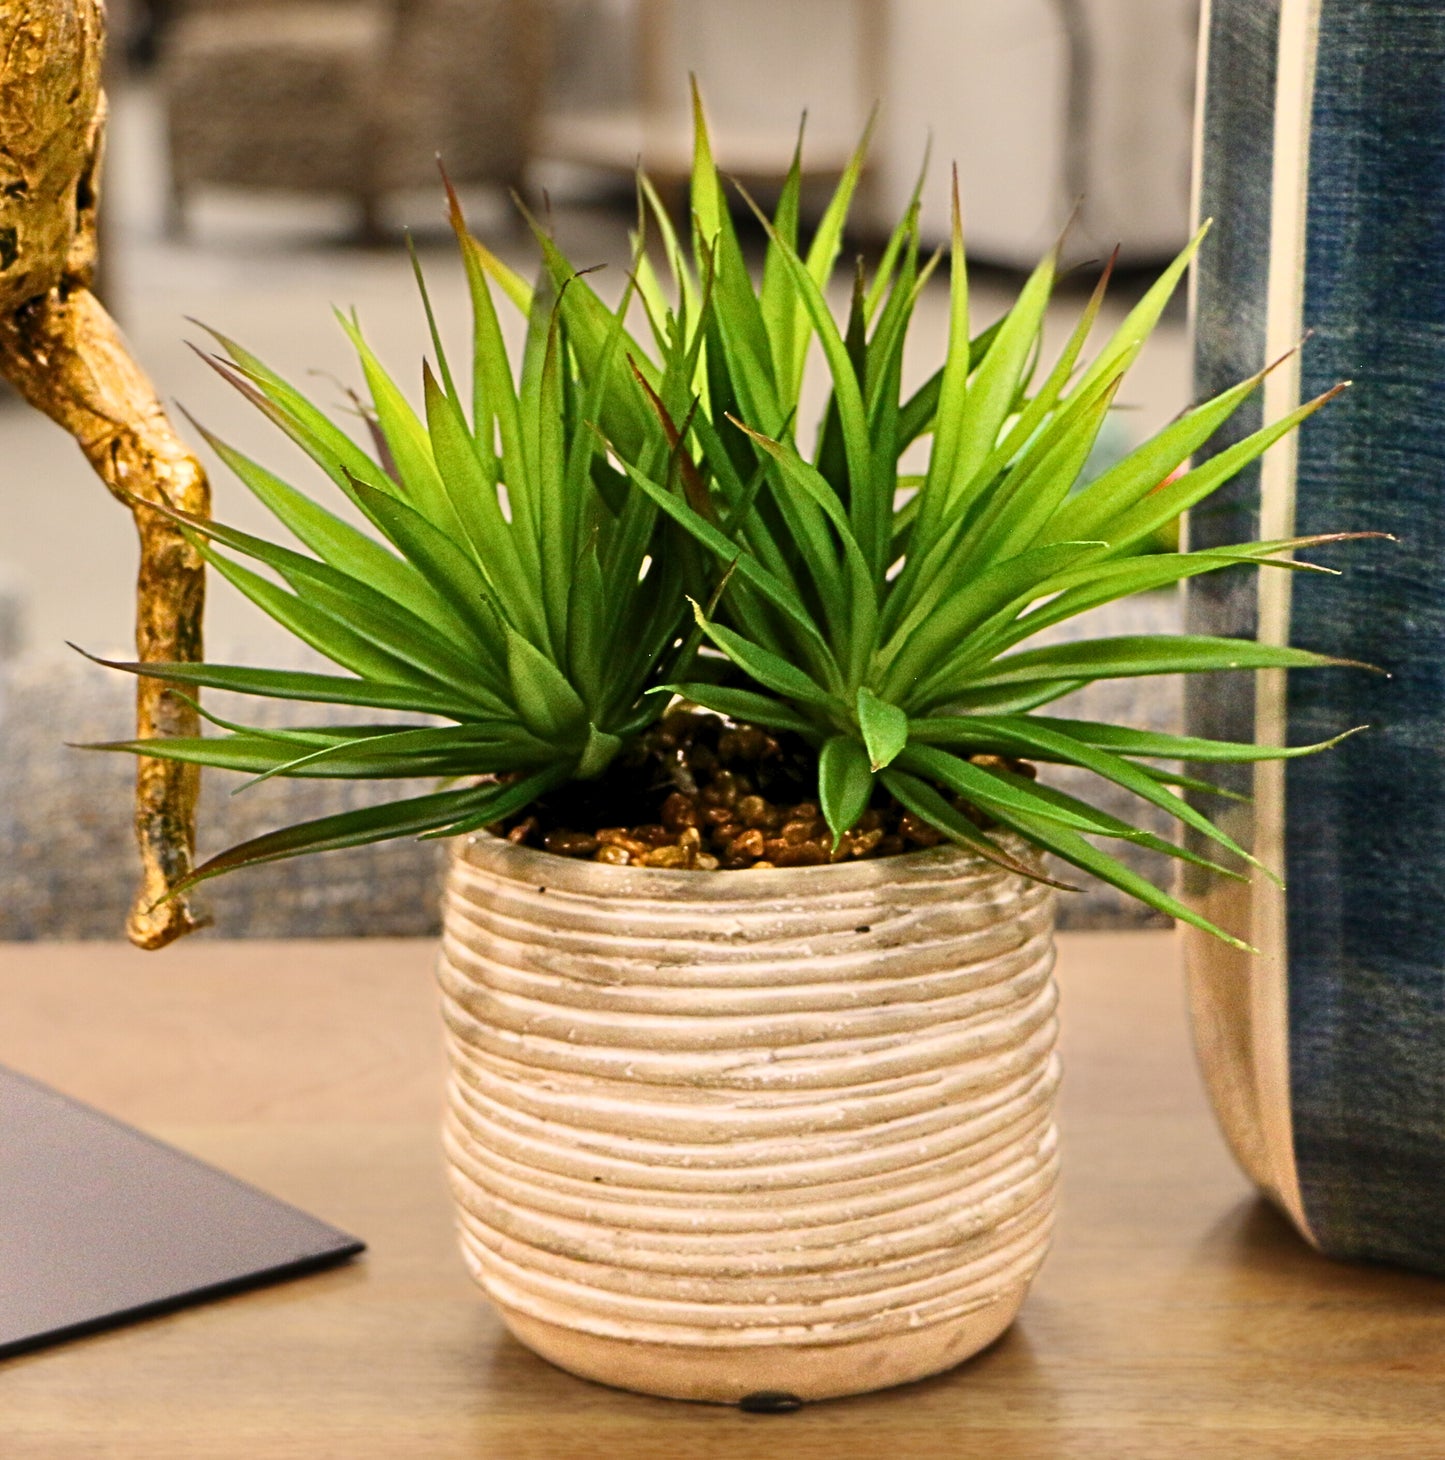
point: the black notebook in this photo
(100, 1224)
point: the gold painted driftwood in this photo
(64, 353)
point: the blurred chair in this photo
(351, 96)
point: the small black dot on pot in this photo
(770, 1401)
(863, 928)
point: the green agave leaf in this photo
(769, 669)
(687, 286)
(923, 800)
(1037, 411)
(854, 600)
(845, 783)
(952, 390)
(1180, 782)
(219, 752)
(1139, 324)
(1125, 741)
(405, 754)
(1069, 810)
(443, 364)
(1168, 501)
(828, 239)
(1074, 848)
(1075, 591)
(589, 662)
(1006, 699)
(507, 279)
(410, 817)
(1026, 736)
(495, 410)
(743, 705)
(470, 479)
(897, 245)
(280, 402)
(779, 594)
(1019, 508)
(1123, 485)
(739, 316)
(290, 684)
(847, 393)
(920, 410)
(322, 630)
(884, 728)
(385, 624)
(334, 540)
(549, 706)
(660, 317)
(992, 793)
(777, 296)
(989, 399)
(1128, 655)
(448, 567)
(936, 634)
(482, 749)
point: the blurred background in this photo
(266, 156)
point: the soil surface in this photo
(700, 792)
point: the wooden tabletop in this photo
(1176, 1315)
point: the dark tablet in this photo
(100, 1224)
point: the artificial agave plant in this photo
(552, 564)
(517, 590)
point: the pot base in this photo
(725, 1375)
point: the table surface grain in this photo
(1176, 1315)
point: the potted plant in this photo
(748, 939)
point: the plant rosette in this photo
(715, 1132)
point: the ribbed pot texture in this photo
(712, 1133)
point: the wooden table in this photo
(1176, 1316)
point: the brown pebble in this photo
(522, 830)
(914, 829)
(679, 811)
(670, 856)
(808, 854)
(654, 834)
(762, 865)
(795, 833)
(689, 839)
(745, 848)
(860, 843)
(754, 811)
(705, 862)
(570, 843)
(889, 846)
(613, 836)
(724, 790)
(614, 855)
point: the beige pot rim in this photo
(575, 874)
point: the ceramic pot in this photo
(712, 1133)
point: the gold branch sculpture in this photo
(63, 352)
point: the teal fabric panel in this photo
(1366, 824)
